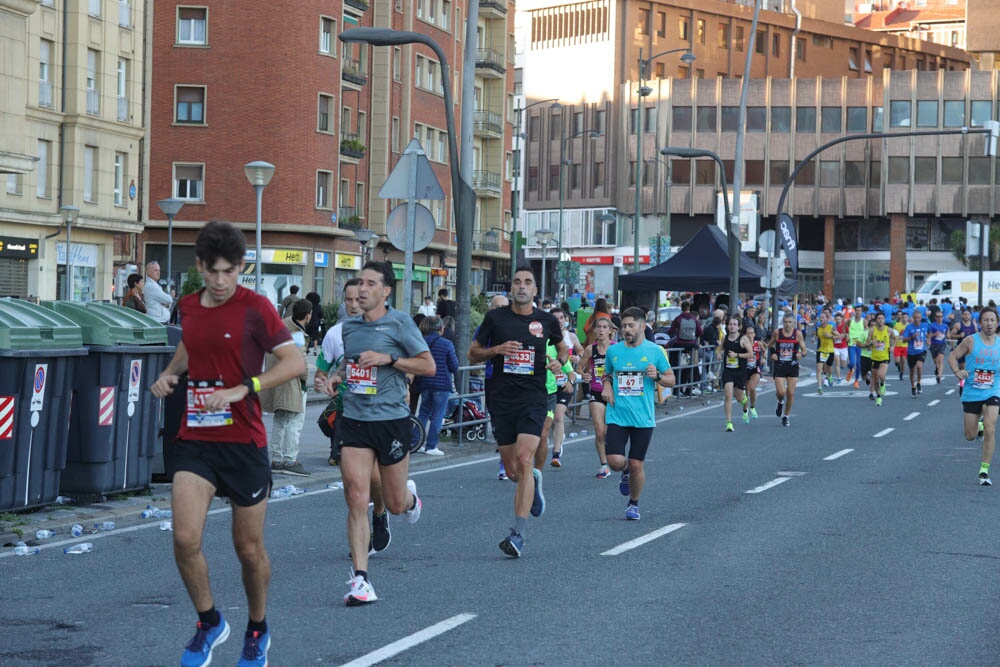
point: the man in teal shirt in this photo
(634, 370)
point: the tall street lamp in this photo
(544, 238)
(463, 198)
(515, 205)
(70, 215)
(645, 91)
(734, 242)
(259, 174)
(170, 208)
(593, 134)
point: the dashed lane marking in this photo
(934, 402)
(770, 485)
(949, 392)
(837, 455)
(911, 416)
(406, 643)
(884, 432)
(639, 541)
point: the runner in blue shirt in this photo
(633, 371)
(939, 343)
(916, 334)
(981, 393)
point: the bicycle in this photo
(419, 434)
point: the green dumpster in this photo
(115, 419)
(39, 352)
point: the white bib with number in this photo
(630, 383)
(362, 380)
(521, 362)
(198, 416)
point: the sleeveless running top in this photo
(983, 364)
(596, 369)
(880, 344)
(753, 361)
(730, 364)
(967, 329)
(788, 347)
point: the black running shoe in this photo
(380, 532)
(781, 406)
(984, 479)
(784, 420)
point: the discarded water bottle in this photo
(64, 500)
(287, 490)
(166, 525)
(22, 549)
(156, 513)
(105, 525)
(82, 548)
(334, 485)
(76, 530)
(573, 434)
(43, 534)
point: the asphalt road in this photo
(857, 536)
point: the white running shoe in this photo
(413, 515)
(361, 591)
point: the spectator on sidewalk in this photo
(288, 401)
(428, 308)
(134, 298)
(445, 306)
(685, 332)
(285, 310)
(158, 302)
(435, 390)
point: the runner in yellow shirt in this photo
(824, 353)
(879, 340)
(900, 350)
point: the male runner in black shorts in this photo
(221, 447)
(512, 340)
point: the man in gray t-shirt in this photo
(380, 347)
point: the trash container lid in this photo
(26, 326)
(108, 324)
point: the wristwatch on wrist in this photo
(393, 358)
(248, 383)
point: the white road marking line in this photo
(397, 647)
(934, 402)
(639, 541)
(949, 392)
(911, 416)
(883, 432)
(837, 455)
(790, 473)
(770, 485)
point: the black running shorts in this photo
(512, 419)
(240, 472)
(737, 377)
(786, 369)
(913, 359)
(635, 437)
(976, 407)
(391, 439)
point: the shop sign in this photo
(321, 259)
(15, 248)
(348, 262)
(276, 256)
(84, 254)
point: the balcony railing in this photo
(93, 101)
(347, 217)
(487, 122)
(124, 14)
(495, 8)
(45, 94)
(352, 72)
(123, 109)
(486, 183)
(360, 5)
(351, 146)
(490, 62)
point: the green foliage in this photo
(352, 145)
(330, 313)
(192, 282)
(480, 304)
(475, 319)
(972, 263)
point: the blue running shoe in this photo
(512, 544)
(632, 513)
(198, 652)
(255, 647)
(538, 504)
(623, 486)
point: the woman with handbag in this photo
(133, 298)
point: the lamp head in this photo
(672, 151)
(688, 58)
(645, 91)
(69, 213)
(258, 172)
(381, 36)
(170, 207)
(363, 235)
(544, 236)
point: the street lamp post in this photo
(643, 92)
(170, 208)
(463, 198)
(368, 240)
(70, 215)
(259, 174)
(515, 205)
(734, 244)
(593, 134)
(544, 238)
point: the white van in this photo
(955, 284)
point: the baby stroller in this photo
(470, 411)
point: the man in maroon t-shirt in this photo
(221, 447)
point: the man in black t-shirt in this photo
(512, 341)
(445, 306)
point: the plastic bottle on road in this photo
(156, 513)
(166, 525)
(22, 549)
(82, 548)
(76, 530)
(64, 500)
(43, 534)
(105, 525)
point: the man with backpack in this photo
(685, 332)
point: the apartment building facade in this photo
(230, 87)
(586, 55)
(71, 135)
